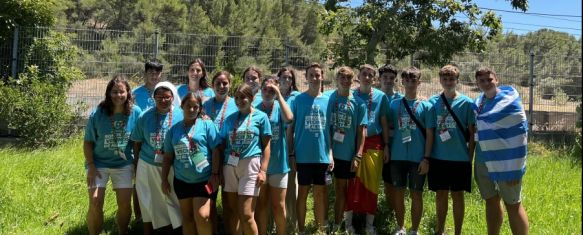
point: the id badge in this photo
(199, 161)
(159, 158)
(476, 136)
(444, 135)
(122, 155)
(406, 135)
(339, 136)
(233, 159)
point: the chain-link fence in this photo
(550, 86)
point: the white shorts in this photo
(277, 180)
(243, 178)
(120, 177)
(156, 207)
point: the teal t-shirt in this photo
(143, 98)
(390, 99)
(206, 93)
(455, 148)
(413, 149)
(151, 131)
(311, 129)
(218, 112)
(278, 162)
(291, 96)
(205, 138)
(376, 108)
(247, 140)
(257, 99)
(346, 115)
(106, 142)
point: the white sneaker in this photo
(350, 230)
(413, 232)
(370, 230)
(400, 232)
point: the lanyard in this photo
(369, 106)
(446, 113)
(337, 111)
(191, 145)
(412, 112)
(159, 129)
(238, 124)
(223, 111)
(199, 92)
(113, 131)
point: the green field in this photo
(43, 192)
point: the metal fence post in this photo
(286, 53)
(531, 93)
(156, 43)
(14, 62)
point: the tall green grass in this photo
(44, 192)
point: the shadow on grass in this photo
(109, 227)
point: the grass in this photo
(43, 192)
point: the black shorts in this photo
(342, 169)
(187, 190)
(404, 174)
(312, 173)
(449, 175)
(387, 173)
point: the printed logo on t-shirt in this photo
(109, 141)
(274, 131)
(315, 120)
(181, 153)
(342, 119)
(242, 140)
(449, 123)
(406, 122)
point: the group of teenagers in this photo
(266, 147)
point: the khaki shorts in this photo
(488, 188)
(242, 179)
(120, 177)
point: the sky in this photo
(520, 23)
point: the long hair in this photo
(192, 95)
(107, 104)
(203, 82)
(293, 86)
(254, 69)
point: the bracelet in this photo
(358, 157)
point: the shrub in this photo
(35, 105)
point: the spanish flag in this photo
(363, 190)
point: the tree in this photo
(432, 30)
(30, 13)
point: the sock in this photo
(369, 220)
(348, 218)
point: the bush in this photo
(35, 105)
(577, 147)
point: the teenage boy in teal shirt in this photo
(410, 149)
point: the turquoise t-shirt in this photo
(311, 129)
(107, 144)
(414, 149)
(218, 112)
(346, 115)
(151, 131)
(278, 162)
(206, 93)
(205, 137)
(291, 96)
(455, 148)
(250, 128)
(143, 98)
(390, 99)
(375, 109)
(257, 99)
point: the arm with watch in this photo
(424, 164)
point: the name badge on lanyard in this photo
(158, 158)
(406, 134)
(339, 136)
(233, 159)
(199, 161)
(444, 135)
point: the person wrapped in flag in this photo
(363, 191)
(500, 151)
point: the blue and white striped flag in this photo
(502, 134)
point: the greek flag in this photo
(502, 134)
